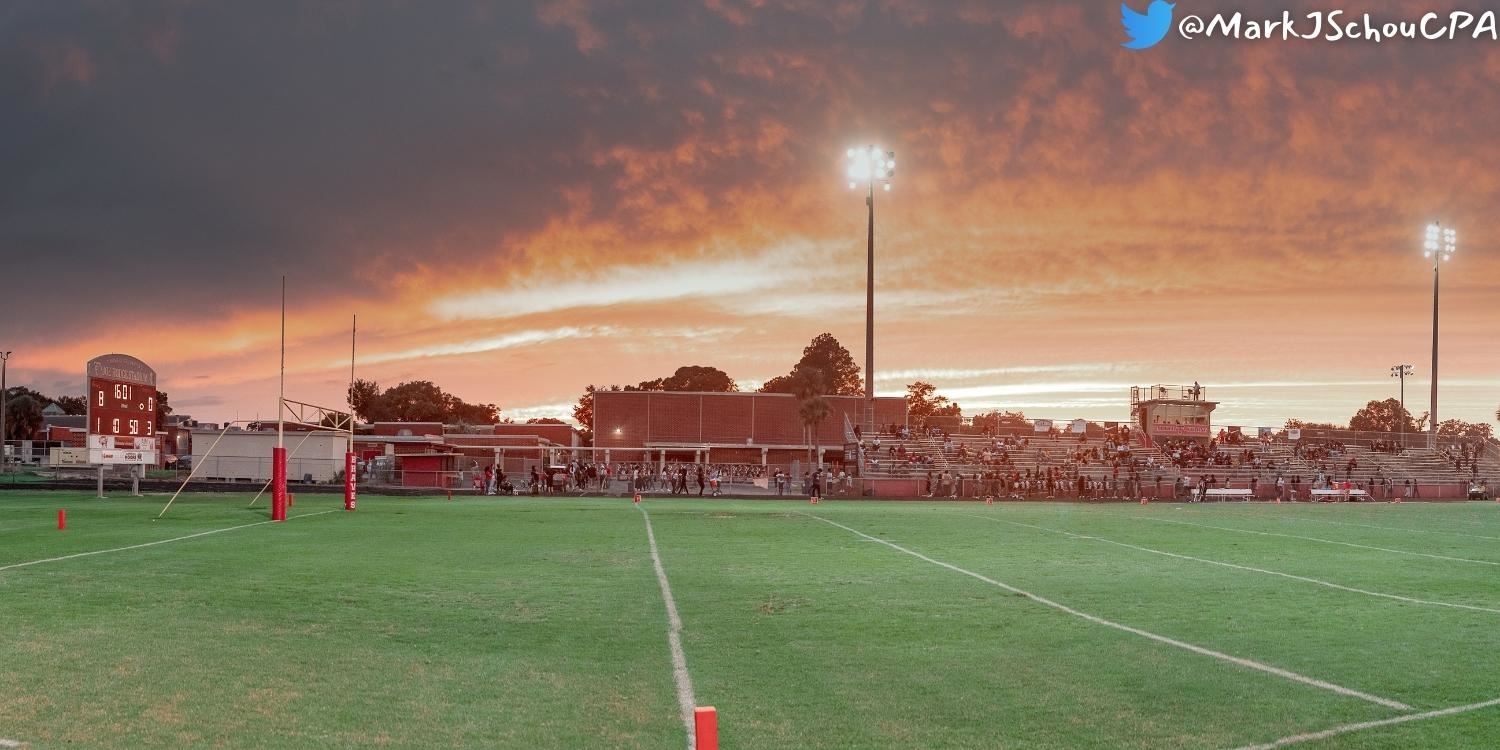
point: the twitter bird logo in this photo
(1146, 29)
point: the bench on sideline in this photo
(1330, 496)
(1222, 494)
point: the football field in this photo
(546, 623)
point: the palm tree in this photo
(23, 418)
(809, 386)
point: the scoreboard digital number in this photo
(121, 411)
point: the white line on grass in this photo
(686, 703)
(1248, 568)
(1247, 663)
(1313, 539)
(1347, 728)
(151, 544)
(1393, 528)
(11, 743)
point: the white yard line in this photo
(1391, 528)
(1347, 728)
(11, 743)
(1246, 663)
(1311, 539)
(686, 703)
(148, 544)
(1305, 579)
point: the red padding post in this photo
(706, 727)
(349, 491)
(62, 519)
(278, 484)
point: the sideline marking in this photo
(151, 544)
(1347, 728)
(1294, 577)
(1247, 663)
(1392, 528)
(1310, 539)
(686, 703)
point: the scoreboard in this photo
(121, 411)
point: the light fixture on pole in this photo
(1439, 246)
(1401, 372)
(870, 166)
(4, 459)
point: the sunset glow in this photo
(519, 200)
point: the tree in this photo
(1461, 429)
(809, 385)
(1383, 416)
(23, 416)
(545, 420)
(163, 409)
(695, 378)
(830, 358)
(417, 401)
(364, 397)
(922, 402)
(583, 411)
(74, 405)
(461, 412)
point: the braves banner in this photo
(1042, 425)
(1080, 426)
(1179, 430)
(1266, 433)
(1294, 433)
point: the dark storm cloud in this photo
(204, 149)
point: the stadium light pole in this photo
(1401, 372)
(1439, 245)
(870, 165)
(4, 362)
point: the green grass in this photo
(525, 623)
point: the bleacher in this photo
(1049, 450)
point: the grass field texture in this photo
(540, 623)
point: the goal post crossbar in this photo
(311, 415)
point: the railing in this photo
(1160, 392)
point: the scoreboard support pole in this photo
(101, 482)
(135, 480)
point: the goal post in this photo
(311, 416)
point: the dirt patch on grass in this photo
(166, 712)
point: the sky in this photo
(519, 199)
